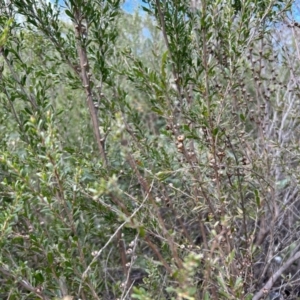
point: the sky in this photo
(130, 5)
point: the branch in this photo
(85, 273)
(276, 275)
(164, 31)
(25, 284)
(80, 32)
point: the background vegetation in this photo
(150, 155)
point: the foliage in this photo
(148, 156)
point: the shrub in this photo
(149, 164)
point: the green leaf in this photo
(50, 258)
(69, 14)
(5, 33)
(157, 110)
(257, 198)
(238, 283)
(215, 131)
(142, 232)
(39, 278)
(206, 296)
(163, 64)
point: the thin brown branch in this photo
(146, 189)
(275, 276)
(25, 284)
(157, 253)
(80, 32)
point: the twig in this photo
(275, 276)
(128, 280)
(85, 273)
(25, 284)
(81, 31)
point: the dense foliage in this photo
(150, 155)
